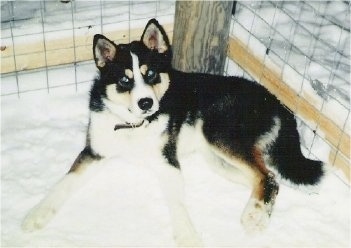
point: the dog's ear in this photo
(104, 50)
(154, 37)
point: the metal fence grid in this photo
(39, 23)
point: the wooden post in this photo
(200, 36)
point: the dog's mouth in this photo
(143, 114)
(128, 125)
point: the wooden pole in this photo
(200, 36)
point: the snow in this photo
(41, 134)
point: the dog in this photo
(140, 102)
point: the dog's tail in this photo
(288, 158)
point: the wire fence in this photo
(46, 45)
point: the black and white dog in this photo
(139, 102)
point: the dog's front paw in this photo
(186, 239)
(185, 234)
(255, 217)
(38, 218)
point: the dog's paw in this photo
(185, 234)
(255, 217)
(188, 240)
(38, 218)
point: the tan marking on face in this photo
(117, 98)
(101, 63)
(161, 88)
(129, 73)
(143, 69)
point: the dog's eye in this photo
(151, 76)
(125, 82)
(150, 73)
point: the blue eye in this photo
(151, 76)
(124, 79)
(150, 73)
(125, 82)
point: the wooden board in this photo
(59, 51)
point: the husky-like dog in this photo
(139, 102)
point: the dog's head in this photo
(135, 75)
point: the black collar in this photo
(127, 125)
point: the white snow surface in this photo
(123, 205)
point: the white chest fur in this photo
(139, 142)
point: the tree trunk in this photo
(200, 35)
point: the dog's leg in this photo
(224, 169)
(265, 188)
(80, 171)
(171, 182)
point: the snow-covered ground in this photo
(123, 205)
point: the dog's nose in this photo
(145, 103)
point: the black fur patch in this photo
(170, 148)
(97, 92)
(271, 189)
(170, 153)
(235, 112)
(287, 156)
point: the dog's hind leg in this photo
(79, 173)
(224, 169)
(265, 188)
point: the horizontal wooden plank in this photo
(60, 51)
(272, 80)
(340, 162)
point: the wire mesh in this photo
(50, 41)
